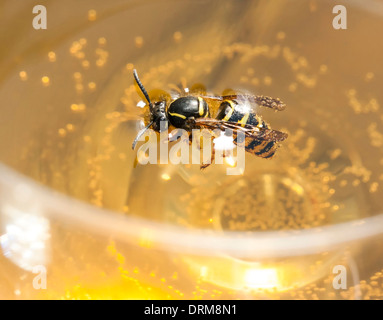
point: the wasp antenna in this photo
(139, 135)
(142, 88)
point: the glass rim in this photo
(179, 239)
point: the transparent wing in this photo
(264, 101)
(250, 131)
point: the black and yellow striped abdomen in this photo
(263, 149)
(229, 110)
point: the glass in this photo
(78, 209)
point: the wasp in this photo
(235, 113)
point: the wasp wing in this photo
(250, 131)
(262, 142)
(268, 102)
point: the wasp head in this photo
(158, 116)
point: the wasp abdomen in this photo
(233, 112)
(260, 148)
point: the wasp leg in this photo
(198, 89)
(175, 136)
(205, 165)
(179, 89)
(224, 154)
(194, 140)
(191, 141)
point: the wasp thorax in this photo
(185, 108)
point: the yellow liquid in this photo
(77, 117)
